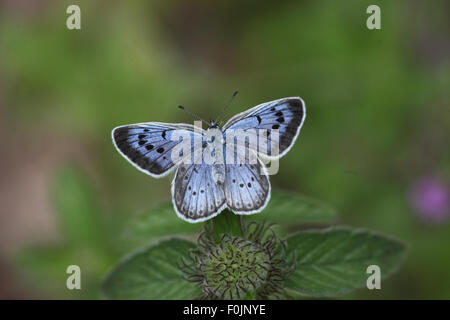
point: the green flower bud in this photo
(238, 267)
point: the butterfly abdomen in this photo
(218, 173)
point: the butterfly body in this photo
(218, 173)
(219, 167)
(215, 146)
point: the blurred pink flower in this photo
(430, 199)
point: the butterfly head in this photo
(213, 125)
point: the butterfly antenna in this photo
(193, 114)
(229, 101)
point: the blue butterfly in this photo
(236, 178)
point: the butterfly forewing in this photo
(284, 115)
(148, 146)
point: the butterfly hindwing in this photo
(247, 185)
(148, 146)
(195, 195)
(285, 115)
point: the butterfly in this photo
(235, 178)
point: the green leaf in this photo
(334, 261)
(77, 210)
(287, 208)
(155, 223)
(152, 273)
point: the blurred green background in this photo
(377, 123)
